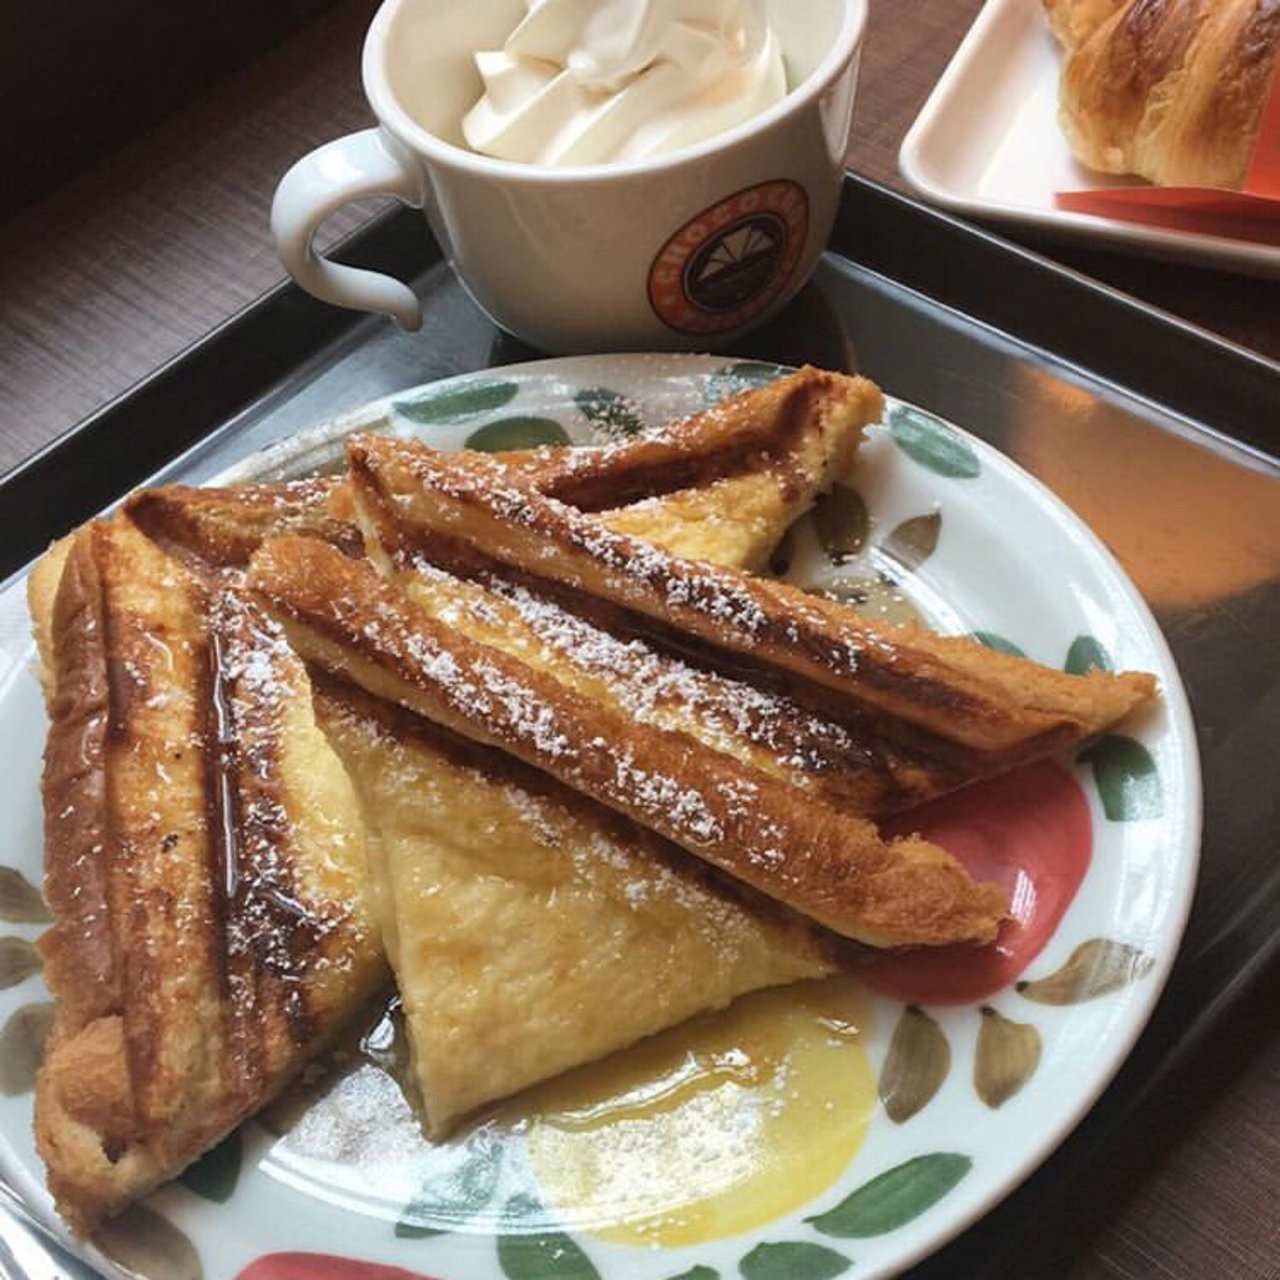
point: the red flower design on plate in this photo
(1029, 831)
(322, 1266)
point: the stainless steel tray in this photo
(1161, 437)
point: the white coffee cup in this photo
(602, 257)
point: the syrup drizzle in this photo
(225, 797)
(266, 930)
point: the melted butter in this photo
(712, 1128)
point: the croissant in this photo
(1172, 90)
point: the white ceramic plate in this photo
(987, 143)
(805, 1134)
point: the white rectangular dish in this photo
(987, 144)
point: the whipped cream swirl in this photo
(606, 81)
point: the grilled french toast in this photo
(920, 687)
(204, 865)
(520, 621)
(206, 850)
(555, 750)
(342, 616)
(530, 929)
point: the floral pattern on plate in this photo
(864, 1122)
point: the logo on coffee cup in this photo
(727, 265)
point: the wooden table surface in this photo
(114, 273)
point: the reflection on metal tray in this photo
(1156, 434)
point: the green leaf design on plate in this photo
(457, 404)
(18, 961)
(840, 519)
(895, 1197)
(215, 1174)
(406, 1230)
(1126, 778)
(930, 442)
(608, 409)
(446, 1202)
(148, 1245)
(22, 1046)
(917, 1063)
(1095, 968)
(698, 1273)
(20, 900)
(793, 1260)
(1006, 1058)
(744, 375)
(517, 433)
(914, 540)
(998, 643)
(1086, 655)
(541, 1255)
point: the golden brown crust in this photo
(952, 688)
(342, 616)
(182, 1004)
(339, 699)
(223, 527)
(598, 650)
(176, 844)
(79, 957)
(771, 449)
(802, 429)
(532, 930)
(1172, 90)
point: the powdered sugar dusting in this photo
(631, 562)
(487, 690)
(256, 679)
(656, 688)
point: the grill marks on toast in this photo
(193, 958)
(82, 970)
(221, 528)
(826, 864)
(269, 935)
(656, 675)
(775, 429)
(341, 698)
(951, 688)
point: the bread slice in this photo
(723, 484)
(184, 1000)
(222, 527)
(530, 929)
(906, 682)
(344, 617)
(599, 920)
(204, 865)
(640, 681)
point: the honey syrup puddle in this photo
(711, 1128)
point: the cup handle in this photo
(347, 169)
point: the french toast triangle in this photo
(204, 864)
(755, 726)
(221, 528)
(530, 929)
(344, 617)
(206, 850)
(904, 682)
